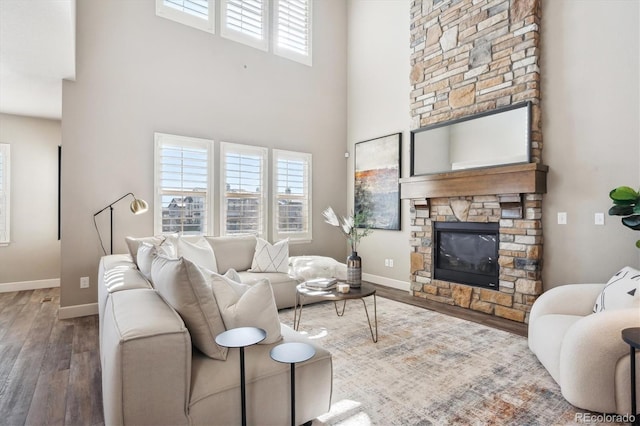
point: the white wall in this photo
(590, 115)
(34, 252)
(590, 102)
(378, 105)
(138, 74)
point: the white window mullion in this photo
(246, 21)
(183, 182)
(5, 189)
(292, 196)
(243, 191)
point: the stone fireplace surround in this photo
(470, 56)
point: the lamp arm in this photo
(111, 205)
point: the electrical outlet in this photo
(84, 282)
(390, 263)
(599, 219)
(562, 218)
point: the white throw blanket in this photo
(305, 268)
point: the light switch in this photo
(562, 218)
(599, 219)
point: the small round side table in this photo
(290, 353)
(631, 336)
(241, 337)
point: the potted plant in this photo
(354, 228)
(626, 203)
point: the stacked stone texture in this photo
(471, 56)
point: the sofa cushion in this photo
(198, 252)
(182, 284)
(243, 305)
(271, 258)
(622, 291)
(233, 252)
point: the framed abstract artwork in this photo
(377, 181)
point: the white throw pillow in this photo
(133, 243)
(271, 258)
(621, 292)
(147, 252)
(185, 288)
(243, 305)
(199, 252)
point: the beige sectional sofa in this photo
(153, 374)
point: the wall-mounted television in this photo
(492, 138)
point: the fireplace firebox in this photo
(467, 253)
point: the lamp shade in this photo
(139, 206)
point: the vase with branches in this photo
(354, 228)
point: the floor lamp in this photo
(138, 206)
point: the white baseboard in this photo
(66, 312)
(29, 285)
(388, 282)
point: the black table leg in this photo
(293, 394)
(632, 355)
(242, 388)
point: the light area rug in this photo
(430, 369)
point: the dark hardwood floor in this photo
(454, 311)
(50, 368)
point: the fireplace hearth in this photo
(467, 253)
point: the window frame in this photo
(286, 52)
(263, 152)
(241, 37)
(185, 18)
(294, 237)
(184, 141)
(5, 191)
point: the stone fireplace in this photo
(471, 56)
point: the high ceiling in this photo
(37, 51)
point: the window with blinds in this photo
(183, 185)
(4, 193)
(244, 189)
(246, 21)
(194, 13)
(292, 195)
(293, 30)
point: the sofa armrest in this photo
(589, 356)
(146, 361)
(570, 299)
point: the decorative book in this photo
(321, 283)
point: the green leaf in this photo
(638, 244)
(624, 193)
(632, 222)
(636, 209)
(621, 211)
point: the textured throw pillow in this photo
(243, 305)
(133, 244)
(199, 252)
(271, 258)
(621, 292)
(147, 252)
(184, 286)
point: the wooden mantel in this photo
(512, 179)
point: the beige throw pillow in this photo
(271, 258)
(147, 252)
(199, 252)
(243, 305)
(133, 244)
(184, 286)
